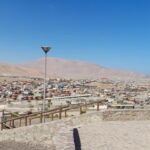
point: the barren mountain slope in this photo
(67, 69)
(18, 70)
(78, 69)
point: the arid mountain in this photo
(18, 70)
(66, 69)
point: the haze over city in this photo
(114, 34)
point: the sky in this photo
(111, 33)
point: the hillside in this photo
(67, 69)
(18, 70)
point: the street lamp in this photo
(46, 50)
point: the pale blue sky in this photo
(112, 33)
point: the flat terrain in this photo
(115, 135)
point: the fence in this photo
(11, 120)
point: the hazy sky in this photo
(113, 33)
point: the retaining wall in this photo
(50, 133)
(126, 114)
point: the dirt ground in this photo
(12, 145)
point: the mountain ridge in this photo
(57, 67)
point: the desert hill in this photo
(67, 69)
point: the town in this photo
(22, 94)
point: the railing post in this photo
(13, 123)
(80, 109)
(20, 123)
(65, 113)
(98, 106)
(41, 117)
(10, 123)
(26, 121)
(1, 126)
(29, 121)
(52, 116)
(60, 111)
(2, 119)
(86, 107)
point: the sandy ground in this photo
(130, 135)
(12, 145)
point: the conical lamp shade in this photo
(45, 49)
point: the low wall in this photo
(57, 132)
(126, 114)
(51, 133)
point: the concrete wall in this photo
(49, 133)
(126, 114)
(57, 132)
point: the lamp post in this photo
(46, 50)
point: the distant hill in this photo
(18, 70)
(67, 69)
